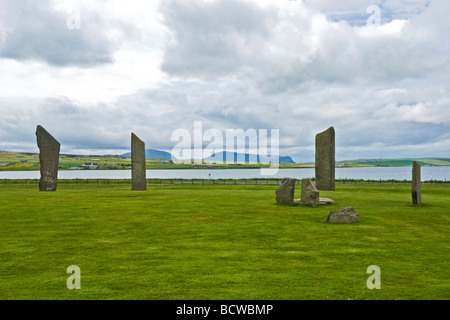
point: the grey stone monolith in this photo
(309, 195)
(285, 191)
(325, 160)
(48, 158)
(416, 189)
(138, 174)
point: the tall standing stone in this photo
(48, 159)
(285, 191)
(325, 160)
(416, 189)
(139, 181)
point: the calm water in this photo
(371, 173)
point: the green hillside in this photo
(394, 162)
(17, 161)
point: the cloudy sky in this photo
(92, 72)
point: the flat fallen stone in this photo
(285, 191)
(325, 201)
(344, 215)
(322, 201)
(48, 158)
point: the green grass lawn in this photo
(221, 242)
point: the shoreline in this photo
(215, 168)
(199, 181)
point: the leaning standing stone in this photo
(310, 195)
(285, 191)
(325, 160)
(48, 159)
(416, 189)
(138, 174)
(345, 215)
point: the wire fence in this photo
(261, 181)
(149, 181)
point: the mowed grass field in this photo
(222, 242)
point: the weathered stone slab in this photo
(138, 174)
(325, 160)
(344, 215)
(325, 201)
(48, 158)
(416, 189)
(322, 201)
(309, 195)
(285, 191)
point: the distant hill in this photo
(245, 157)
(286, 159)
(152, 154)
(157, 154)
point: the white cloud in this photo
(292, 45)
(287, 65)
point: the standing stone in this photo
(48, 159)
(325, 160)
(310, 195)
(138, 177)
(285, 191)
(344, 215)
(416, 189)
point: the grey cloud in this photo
(35, 30)
(276, 51)
(355, 11)
(364, 120)
(207, 34)
(236, 65)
